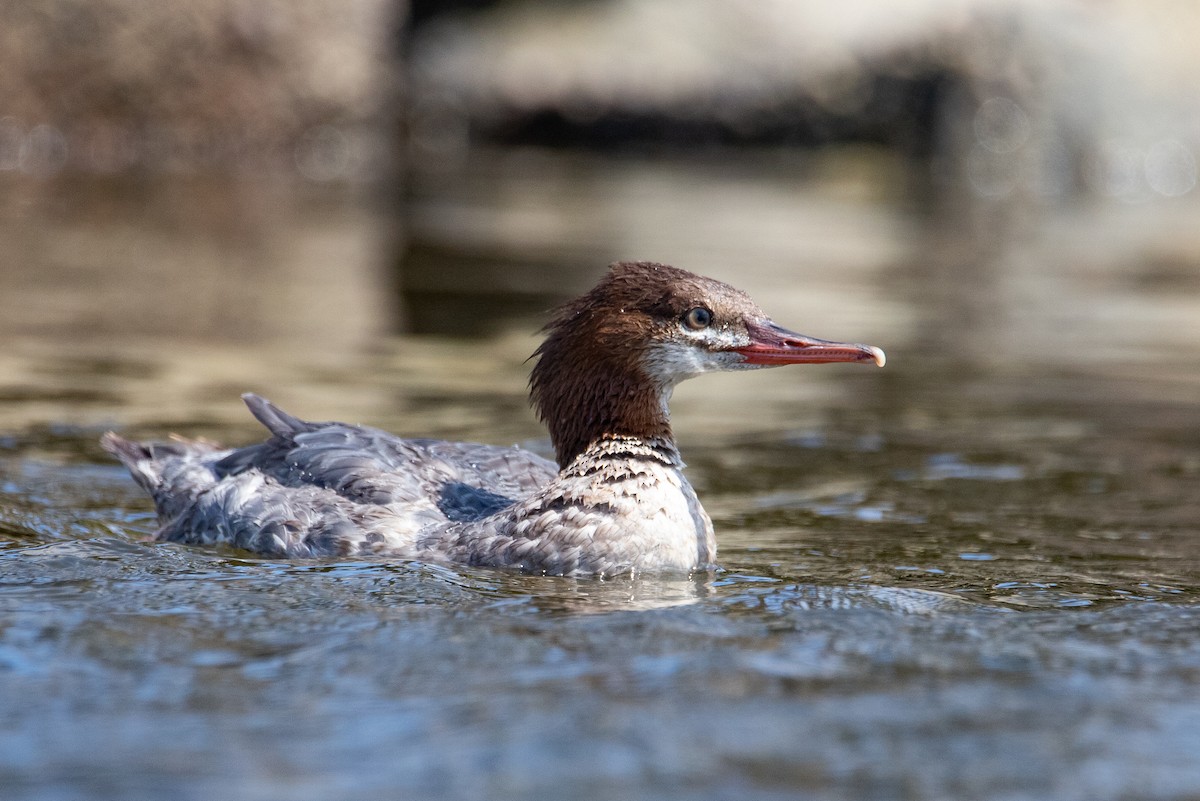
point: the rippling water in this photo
(972, 574)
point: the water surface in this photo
(972, 574)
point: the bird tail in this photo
(138, 458)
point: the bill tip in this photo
(880, 356)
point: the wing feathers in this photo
(277, 421)
(329, 488)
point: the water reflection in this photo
(250, 259)
(1002, 519)
(948, 453)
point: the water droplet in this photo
(1001, 125)
(1170, 168)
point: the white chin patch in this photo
(669, 363)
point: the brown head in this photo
(612, 356)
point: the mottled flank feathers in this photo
(332, 489)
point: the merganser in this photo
(619, 503)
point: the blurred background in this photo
(972, 574)
(974, 180)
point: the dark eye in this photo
(698, 318)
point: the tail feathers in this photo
(179, 469)
(128, 451)
(277, 421)
(146, 460)
(139, 458)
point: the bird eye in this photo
(698, 318)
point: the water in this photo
(972, 574)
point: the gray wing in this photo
(325, 488)
(367, 465)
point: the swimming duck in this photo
(616, 502)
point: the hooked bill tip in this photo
(880, 356)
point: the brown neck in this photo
(583, 404)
